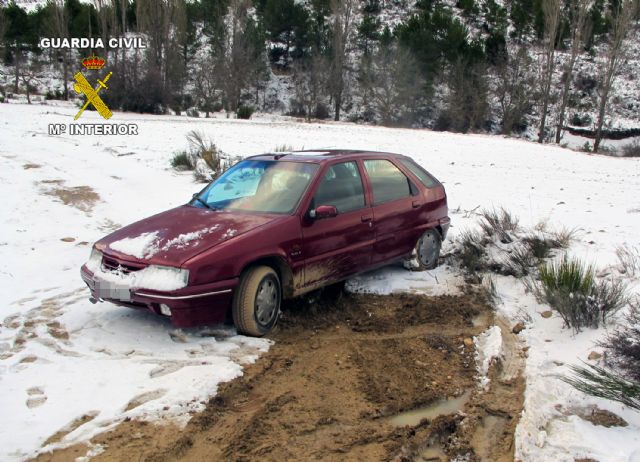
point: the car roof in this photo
(320, 155)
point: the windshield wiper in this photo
(204, 203)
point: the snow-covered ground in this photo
(62, 358)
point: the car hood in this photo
(172, 237)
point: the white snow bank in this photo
(488, 349)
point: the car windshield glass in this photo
(258, 186)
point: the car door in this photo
(338, 246)
(397, 210)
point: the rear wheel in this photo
(256, 303)
(428, 249)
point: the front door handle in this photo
(366, 218)
(416, 204)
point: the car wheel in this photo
(428, 249)
(256, 303)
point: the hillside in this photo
(462, 66)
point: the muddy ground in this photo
(341, 368)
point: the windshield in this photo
(258, 186)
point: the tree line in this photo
(476, 66)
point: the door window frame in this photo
(413, 189)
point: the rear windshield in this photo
(421, 173)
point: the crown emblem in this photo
(93, 62)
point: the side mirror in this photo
(324, 211)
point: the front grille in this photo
(111, 264)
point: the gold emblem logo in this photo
(83, 86)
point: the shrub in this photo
(498, 223)
(597, 381)
(244, 112)
(629, 258)
(565, 287)
(205, 149)
(623, 346)
(631, 150)
(471, 251)
(181, 161)
(321, 112)
(283, 148)
(520, 261)
(562, 238)
(570, 288)
(193, 112)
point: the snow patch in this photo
(142, 246)
(488, 350)
(152, 277)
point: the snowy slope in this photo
(103, 361)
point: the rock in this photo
(604, 418)
(519, 327)
(594, 356)
(468, 342)
(68, 239)
(546, 314)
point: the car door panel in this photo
(342, 245)
(398, 210)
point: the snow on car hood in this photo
(172, 237)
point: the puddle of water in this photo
(443, 407)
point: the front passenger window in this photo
(387, 181)
(341, 187)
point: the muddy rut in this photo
(334, 386)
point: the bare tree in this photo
(579, 10)
(397, 84)
(551, 10)
(340, 30)
(310, 81)
(514, 88)
(207, 78)
(58, 24)
(622, 20)
(29, 77)
(242, 52)
(3, 28)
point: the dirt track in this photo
(339, 370)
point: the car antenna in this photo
(280, 155)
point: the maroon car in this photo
(273, 226)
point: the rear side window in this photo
(421, 173)
(341, 187)
(387, 181)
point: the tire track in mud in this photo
(339, 370)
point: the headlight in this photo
(157, 277)
(95, 260)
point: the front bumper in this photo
(190, 306)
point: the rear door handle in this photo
(416, 204)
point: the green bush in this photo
(570, 288)
(181, 161)
(244, 112)
(597, 381)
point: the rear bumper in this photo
(444, 225)
(190, 306)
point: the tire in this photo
(256, 303)
(428, 249)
